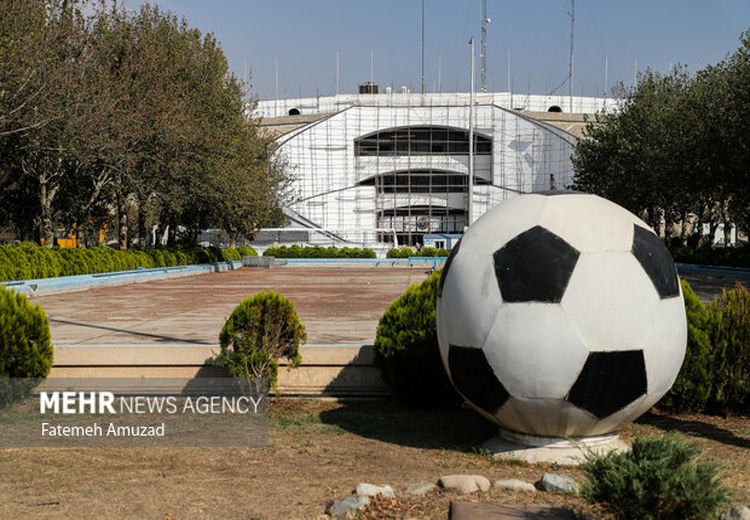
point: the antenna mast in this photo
(570, 73)
(483, 51)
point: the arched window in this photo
(421, 140)
(294, 112)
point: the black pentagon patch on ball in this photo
(609, 382)
(444, 273)
(654, 256)
(474, 378)
(535, 267)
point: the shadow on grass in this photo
(390, 421)
(696, 428)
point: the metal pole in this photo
(483, 55)
(572, 22)
(470, 212)
(606, 79)
(510, 84)
(635, 73)
(372, 61)
(440, 74)
(423, 47)
(276, 98)
(337, 73)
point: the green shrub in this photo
(158, 257)
(691, 390)
(230, 254)
(261, 330)
(296, 251)
(730, 356)
(17, 266)
(26, 261)
(25, 344)
(715, 375)
(247, 251)
(398, 253)
(169, 258)
(407, 252)
(406, 348)
(660, 478)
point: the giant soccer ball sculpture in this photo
(560, 314)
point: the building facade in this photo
(375, 169)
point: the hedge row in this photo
(29, 261)
(318, 252)
(715, 375)
(728, 256)
(407, 252)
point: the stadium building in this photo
(371, 169)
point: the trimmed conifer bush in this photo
(261, 330)
(692, 388)
(406, 348)
(25, 344)
(730, 356)
(660, 478)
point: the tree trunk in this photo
(45, 201)
(80, 237)
(683, 228)
(144, 238)
(712, 226)
(122, 215)
(172, 231)
(727, 231)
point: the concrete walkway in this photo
(335, 305)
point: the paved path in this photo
(335, 305)
(708, 281)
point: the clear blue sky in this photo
(305, 34)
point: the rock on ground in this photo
(418, 489)
(370, 490)
(465, 483)
(558, 484)
(515, 485)
(346, 508)
(736, 513)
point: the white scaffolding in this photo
(405, 167)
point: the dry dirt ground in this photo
(318, 450)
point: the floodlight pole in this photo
(470, 212)
(483, 50)
(423, 51)
(570, 72)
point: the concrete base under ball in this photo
(509, 445)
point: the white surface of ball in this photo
(561, 315)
